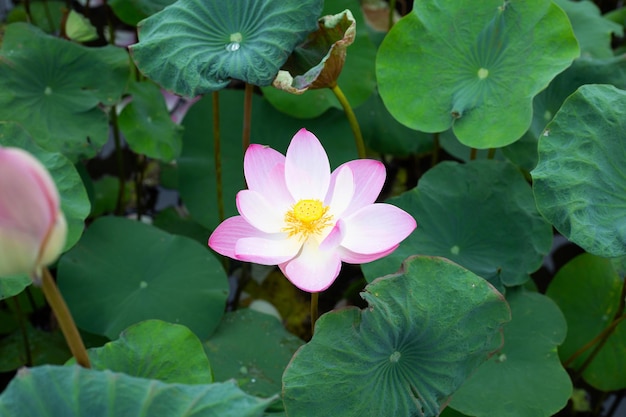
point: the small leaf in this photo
(579, 182)
(10, 286)
(474, 66)
(132, 12)
(588, 290)
(426, 330)
(318, 62)
(73, 391)
(175, 356)
(59, 107)
(527, 371)
(122, 272)
(78, 28)
(194, 47)
(147, 125)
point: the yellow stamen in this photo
(307, 217)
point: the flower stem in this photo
(435, 155)
(492, 153)
(217, 154)
(119, 207)
(247, 116)
(473, 153)
(66, 322)
(354, 124)
(392, 9)
(314, 312)
(600, 339)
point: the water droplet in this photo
(395, 357)
(232, 47)
(455, 250)
(243, 370)
(501, 358)
(143, 284)
(483, 73)
(253, 380)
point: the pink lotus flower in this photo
(32, 226)
(298, 215)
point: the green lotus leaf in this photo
(481, 215)
(147, 125)
(474, 66)
(122, 272)
(13, 285)
(46, 15)
(357, 79)
(269, 127)
(526, 373)
(59, 106)
(73, 391)
(78, 28)
(194, 47)
(175, 356)
(592, 30)
(545, 105)
(425, 331)
(132, 12)
(587, 289)
(74, 200)
(253, 348)
(579, 182)
(45, 347)
(317, 63)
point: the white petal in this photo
(342, 185)
(259, 212)
(376, 228)
(313, 270)
(266, 251)
(307, 170)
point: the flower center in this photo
(307, 217)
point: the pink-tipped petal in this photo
(313, 270)
(376, 228)
(358, 258)
(267, 250)
(258, 163)
(369, 177)
(259, 212)
(342, 191)
(225, 237)
(307, 170)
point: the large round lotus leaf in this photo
(253, 348)
(269, 127)
(592, 30)
(194, 47)
(588, 289)
(480, 215)
(147, 125)
(525, 376)
(580, 181)
(175, 355)
(73, 391)
(425, 331)
(74, 200)
(357, 79)
(474, 66)
(59, 106)
(549, 101)
(122, 272)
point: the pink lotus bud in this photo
(32, 225)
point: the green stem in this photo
(491, 153)
(119, 206)
(473, 153)
(600, 339)
(139, 178)
(28, 13)
(66, 322)
(247, 116)
(392, 9)
(435, 155)
(217, 154)
(24, 330)
(354, 124)
(314, 312)
(46, 8)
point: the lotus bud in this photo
(32, 226)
